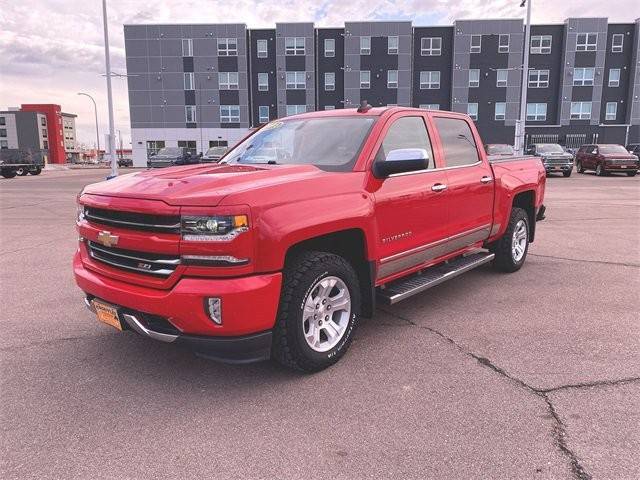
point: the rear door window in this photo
(458, 145)
(406, 132)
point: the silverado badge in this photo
(106, 239)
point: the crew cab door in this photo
(411, 208)
(470, 182)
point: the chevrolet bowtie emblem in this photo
(106, 239)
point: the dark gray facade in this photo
(207, 83)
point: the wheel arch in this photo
(526, 200)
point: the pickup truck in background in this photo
(499, 150)
(553, 156)
(278, 251)
(214, 154)
(605, 159)
(170, 156)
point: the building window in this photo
(392, 79)
(500, 111)
(614, 77)
(476, 43)
(188, 81)
(429, 106)
(190, 145)
(431, 46)
(472, 110)
(190, 113)
(536, 112)
(45, 144)
(365, 45)
(329, 107)
(611, 111)
(586, 42)
(503, 43)
(44, 133)
(263, 113)
(501, 77)
(187, 47)
(228, 80)
(392, 45)
(329, 47)
(583, 77)
(227, 47)
(153, 146)
(474, 78)
(538, 78)
(296, 109)
(229, 114)
(294, 46)
(3, 121)
(3, 132)
(365, 79)
(4, 144)
(429, 80)
(580, 110)
(218, 143)
(541, 44)
(263, 82)
(262, 49)
(296, 80)
(617, 42)
(43, 121)
(329, 81)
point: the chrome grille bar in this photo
(141, 262)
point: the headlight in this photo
(80, 213)
(213, 229)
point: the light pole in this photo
(112, 149)
(95, 109)
(519, 140)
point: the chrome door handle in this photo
(486, 179)
(439, 187)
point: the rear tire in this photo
(600, 170)
(312, 283)
(35, 171)
(632, 174)
(21, 172)
(511, 249)
(566, 173)
(579, 167)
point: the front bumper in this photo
(558, 167)
(249, 307)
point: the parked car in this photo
(214, 154)
(634, 149)
(169, 156)
(278, 254)
(125, 162)
(606, 158)
(499, 150)
(553, 157)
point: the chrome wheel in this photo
(326, 314)
(519, 241)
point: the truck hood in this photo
(619, 156)
(201, 185)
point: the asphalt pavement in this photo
(530, 375)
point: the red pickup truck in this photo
(279, 250)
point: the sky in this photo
(52, 49)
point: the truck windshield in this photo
(330, 143)
(169, 152)
(610, 149)
(550, 148)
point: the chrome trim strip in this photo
(434, 170)
(99, 219)
(163, 272)
(135, 324)
(95, 246)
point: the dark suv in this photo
(553, 157)
(168, 156)
(606, 158)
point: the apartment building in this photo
(203, 85)
(23, 134)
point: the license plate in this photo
(623, 166)
(107, 314)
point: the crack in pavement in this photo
(49, 342)
(581, 260)
(559, 429)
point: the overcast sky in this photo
(52, 49)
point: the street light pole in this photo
(112, 149)
(520, 133)
(95, 110)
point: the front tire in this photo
(566, 173)
(579, 167)
(511, 250)
(632, 174)
(21, 171)
(35, 171)
(600, 170)
(318, 313)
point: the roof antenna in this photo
(364, 107)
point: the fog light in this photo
(214, 308)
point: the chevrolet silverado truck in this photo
(278, 251)
(553, 157)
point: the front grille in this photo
(155, 264)
(133, 220)
(622, 161)
(558, 161)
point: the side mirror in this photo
(402, 160)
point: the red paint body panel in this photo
(405, 225)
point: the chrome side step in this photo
(398, 290)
